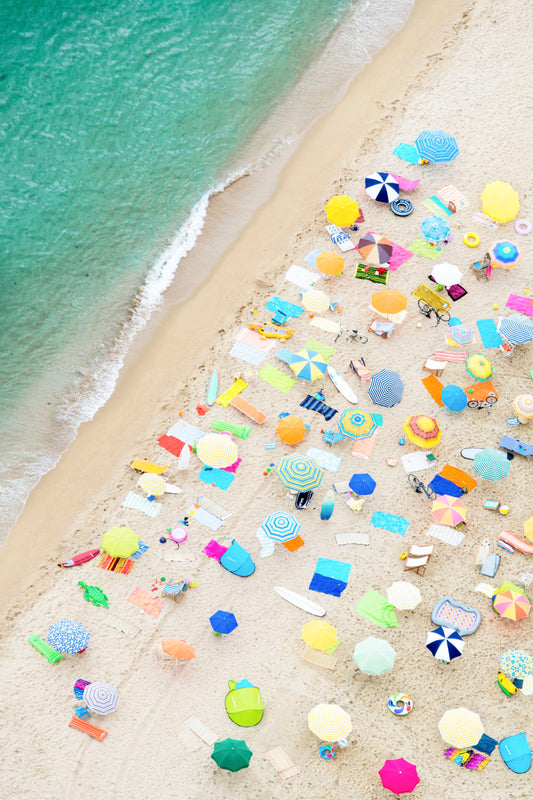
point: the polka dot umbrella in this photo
(68, 636)
(517, 663)
(101, 697)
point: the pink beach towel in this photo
(252, 338)
(145, 600)
(214, 550)
(363, 447)
(404, 184)
(522, 304)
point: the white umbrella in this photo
(447, 274)
(403, 595)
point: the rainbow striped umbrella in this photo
(461, 727)
(309, 366)
(299, 473)
(217, 450)
(460, 334)
(329, 722)
(511, 605)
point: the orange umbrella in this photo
(511, 604)
(178, 649)
(329, 263)
(388, 301)
(291, 429)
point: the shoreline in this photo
(106, 442)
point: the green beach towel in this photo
(325, 351)
(423, 248)
(377, 609)
(276, 378)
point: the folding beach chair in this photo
(435, 367)
(418, 558)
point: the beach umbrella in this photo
(435, 229)
(399, 776)
(281, 527)
(374, 656)
(511, 605)
(460, 334)
(120, 542)
(329, 263)
(492, 465)
(356, 424)
(516, 329)
(449, 510)
(152, 484)
(454, 397)
(447, 274)
(461, 727)
(374, 249)
(309, 366)
(444, 643)
(178, 649)
(403, 595)
(319, 634)
(528, 528)
(68, 636)
(478, 367)
(422, 430)
(329, 722)
(386, 388)
(436, 146)
(500, 201)
(223, 622)
(231, 754)
(291, 429)
(315, 301)
(299, 473)
(382, 187)
(388, 302)
(342, 210)
(523, 406)
(101, 697)
(504, 254)
(517, 663)
(217, 450)
(362, 483)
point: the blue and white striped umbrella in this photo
(281, 526)
(516, 329)
(491, 464)
(299, 473)
(67, 636)
(382, 187)
(435, 229)
(386, 388)
(445, 643)
(436, 146)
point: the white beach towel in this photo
(325, 325)
(202, 731)
(213, 507)
(267, 545)
(204, 518)
(140, 503)
(414, 462)
(185, 432)
(445, 534)
(352, 538)
(301, 277)
(325, 460)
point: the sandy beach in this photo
(460, 66)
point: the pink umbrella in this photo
(399, 775)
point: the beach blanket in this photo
(415, 462)
(140, 503)
(423, 248)
(407, 152)
(145, 600)
(458, 477)
(216, 477)
(204, 518)
(441, 486)
(267, 544)
(319, 659)
(399, 256)
(482, 219)
(324, 459)
(434, 387)
(376, 608)
(313, 404)
(114, 564)
(277, 304)
(326, 325)
(436, 207)
(214, 550)
(352, 538)
(274, 377)
(331, 577)
(489, 333)
(449, 194)
(446, 534)
(373, 274)
(362, 448)
(311, 258)
(405, 184)
(456, 291)
(186, 432)
(443, 355)
(202, 731)
(522, 304)
(172, 444)
(140, 551)
(250, 348)
(120, 624)
(389, 522)
(323, 349)
(301, 277)
(339, 237)
(281, 762)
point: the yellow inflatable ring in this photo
(471, 239)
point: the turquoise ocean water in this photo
(118, 122)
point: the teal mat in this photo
(407, 152)
(389, 522)
(489, 333)
(218, 477)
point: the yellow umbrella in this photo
(319, 634)
(315, 301)
(478, 367)
(217, 450)
(120, 542)
(422, 430)
(461, 727)
(329, 722)
(342, 210)
(329, 263)
(152, 484)
(528, 529)
(500, 201)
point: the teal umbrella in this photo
(374, 656)
(231, 754)
(491, 464)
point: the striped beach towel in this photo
(482, 219)
(442, 355)
(449, 194)
(140, 503)
(267, 544)
(445, 534)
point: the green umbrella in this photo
(232, 754)
(374, 656)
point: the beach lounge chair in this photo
(434, 366)
(248, 410)
(482, 268)
(418, 557)
(382, 328)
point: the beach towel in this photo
(120, 624)
(140, 503)
(441, 486)
(187, 738)
(436, 207)
(114, 564)
(287, 356)
(313, 404)
(281, 762)
(214, 550)
(442, 355)
(445, 534)
(340, 238)
(323, 349)
(142, 549)
(186, 432)
(267, 544)
(486, 744)
(482, 219)
(376, 608)
(319, 659)
(489, 333)
(352, 538)
(389, 522)
(250, 348)
(423, 248)
(202, 731)
(311, 258)
(171, 444)
(399, 256)
(405, 184)
(216, 477)
(362, 448)
(301, 277)
(479, 391)
(407, 152)
(522, 304)
(458, 477)
(434, 387)
(145, 600)
(277, 304)
(326, 325)
(449, 194)
(204, 518)
(274, 377)
(324, 459)
(456, 291)
(212, 507)
(415, 462)
(373, 274)
(331, 577)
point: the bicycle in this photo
(354, 336)
(441, 314)
(419, 487)
(487, 403)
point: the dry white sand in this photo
(471, 78)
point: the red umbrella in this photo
(399, 775)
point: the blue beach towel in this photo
(442, 485)
(489, 333)
(331, 577)
(219, 477)
(407, 152)
(277, 304)
(389, 522)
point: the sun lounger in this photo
(87, 727)
(319, 659)
(242, 431)
(248, 410)
(229, 394)
(44, 649)
(434, 366)
(418, 558)
(281, 762)
(358, 366)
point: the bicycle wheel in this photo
(443, 316)
(361, 339)
(491, 399)
(413, 480)
(424, 308)
(431, 494)
(472, 404)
